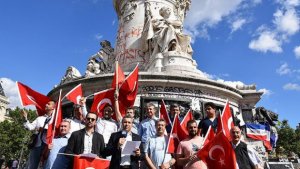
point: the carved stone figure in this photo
(164, 34)
(71, 73)
(93, 68)
(104, 58)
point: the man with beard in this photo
(86, 141)
(188, 148)
(40, 125)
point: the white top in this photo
(125, 159)
(76, 125)
(106, 128)
(36, 125)
(88, 143)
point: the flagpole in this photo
(117, 74)
(56, 114)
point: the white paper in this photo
(130, 147)
(90, 155)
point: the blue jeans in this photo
(35, 157)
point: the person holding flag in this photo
(79, 110)
(245, 156)
(156, 149)
(147, 126)
(58, 145)
(210, 120)
(188, 148)
(40, 126)
(174, 110)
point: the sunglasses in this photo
(90, 119)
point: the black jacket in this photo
(113, 150)
(76, 143)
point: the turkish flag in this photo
(56, 119)
(128, 90)
(101, 99)
(188, 116)
(119, 77)
(225, 121)
(163, 113)
(177, 134)
(210, 135)
(31, 97)
(218, 153)
(75, 94)
(81, 162)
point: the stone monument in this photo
(150, 33)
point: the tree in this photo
(288, 138)
(14, 136)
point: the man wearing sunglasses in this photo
(86, 141)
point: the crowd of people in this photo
(104, 137)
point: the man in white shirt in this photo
(116, 144)
(79, 111)
(40, 126)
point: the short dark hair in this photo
(211, 104)
(190, 122)
(160, 120)
(174, 105)
(92, 113)
(127, 117)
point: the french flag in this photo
(256, 131)
(259, 132)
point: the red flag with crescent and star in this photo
(128, 90)
(225, 121)
(31, 97)
(163, 113)
(54, 123)
(75, 94)
(81, 162)
(177, 134)
(187, 117)
(218, 153)
(101, 99)
(119, 77)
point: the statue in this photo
(104, 58)
(93, 68)
(71, 73)
(164, 34)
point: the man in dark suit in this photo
(86, 141)
(116, 144)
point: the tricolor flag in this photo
(75, 94)
(31, 97)
(259, 132)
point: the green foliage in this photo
(14, 136)
(289, 138)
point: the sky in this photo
(234, 42)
